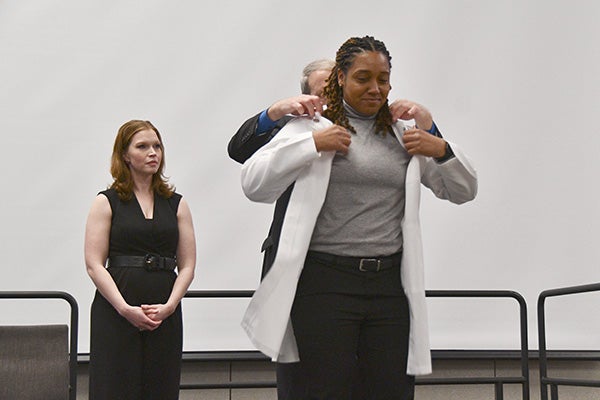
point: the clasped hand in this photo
(147, 317)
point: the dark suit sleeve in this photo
(245, 142)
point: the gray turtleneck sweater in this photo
(365, 199)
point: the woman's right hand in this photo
(333, 138)
(136, 317)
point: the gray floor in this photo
(197, 372)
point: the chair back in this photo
(34, 362)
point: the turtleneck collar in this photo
(352, 113)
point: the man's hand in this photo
(407, 110)
(298, 105)
(333, 138)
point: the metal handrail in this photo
(545, 380)
(73, 326)
(498, 382)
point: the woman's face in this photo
(144, 153)
(367, 83)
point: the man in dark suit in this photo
(258, 131)
(261, 128)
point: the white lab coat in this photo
(290, 157)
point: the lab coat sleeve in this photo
(274, 167)
(454, 180)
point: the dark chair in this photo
(37, 361)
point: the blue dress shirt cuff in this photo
(434, 130)
(265, 123)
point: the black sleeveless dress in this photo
(125, 363)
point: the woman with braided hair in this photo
(345, 296)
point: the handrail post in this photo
(545, 381)
(522, 322)
(499, 393)
(543, 362)
(554, 391)
(524, 343)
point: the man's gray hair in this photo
(317, 65)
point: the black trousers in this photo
(126, 364)
(352, 331)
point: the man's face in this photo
(317, 82)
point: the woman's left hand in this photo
(157, 312)
(417, 141)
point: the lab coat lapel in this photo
(412, 271)
(267, 318)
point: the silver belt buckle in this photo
(367, 264)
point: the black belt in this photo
(150, 262)
(363, 264)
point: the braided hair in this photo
(344, 59)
